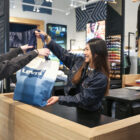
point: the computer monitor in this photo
(58, 33)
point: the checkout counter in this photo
(19, 121)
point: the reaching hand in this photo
(37, 33)
(25, 47)
(47, 37)
(52, 100)
(43, 52)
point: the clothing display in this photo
(114, 56)
(17, 39)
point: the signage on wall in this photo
(34, 6)
(95, 30)
(93, 13)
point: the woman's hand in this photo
(43, 52)
(25, 47)
(47, 37)
(37, 33)
(52, 100)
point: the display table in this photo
(124, 95)
(127, 98)
(19, 121)
(132, 84)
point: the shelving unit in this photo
(114, 55)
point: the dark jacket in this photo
(90, 91)
(11, 62)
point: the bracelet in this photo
(37, 51)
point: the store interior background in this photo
(70, 20)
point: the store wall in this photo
(80, 38)
(70, 21)
(131, 26)
(56, 17)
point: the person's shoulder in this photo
(80, 57)
(99, 76)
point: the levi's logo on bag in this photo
(35, 82)
(32, 72)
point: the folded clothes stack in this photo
(138, 81)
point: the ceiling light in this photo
(37, 10)
(75, 5)
(12, 4)
(67, 13)
(49, 0)
(83, 7)
(34, 9)
(111, 1)
(72, 3)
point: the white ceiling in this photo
(69, 4)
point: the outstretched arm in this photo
(67, 58)
(89, 96)
(14, 53)
(8, 67)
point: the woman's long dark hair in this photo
(98, 47)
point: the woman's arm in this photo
(67, 58)
(90, 95)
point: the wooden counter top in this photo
(20, 121)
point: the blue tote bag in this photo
(35, 82)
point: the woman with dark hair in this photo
(88, 79)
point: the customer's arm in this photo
(14, 53)
(8, 67)
(11, 54)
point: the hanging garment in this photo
(17, 39)
(32, 42)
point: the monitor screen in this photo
(58, 33)
(95, 30)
